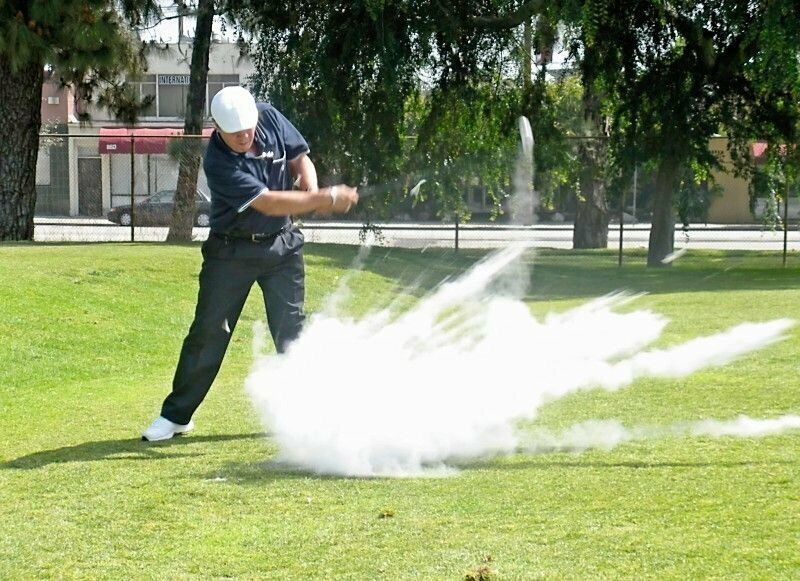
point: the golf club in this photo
(526, 136)
(367, 191)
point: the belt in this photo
(257, 238)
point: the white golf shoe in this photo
(163, 429)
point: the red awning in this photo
(758, 151)
(146, 139)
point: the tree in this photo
(775, 72)
(592, 214)
(87, 44)
(345, 86)
(356, 92)
(191, 148)
(468, 135)
(681, 71)
(555, 110)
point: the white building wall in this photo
(152, 173)
(175, 59)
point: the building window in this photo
(171, 90)
(144, 87)
(215, 84)
(172, 100)
(43, 167)
(149, 89)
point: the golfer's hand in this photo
(342, 199)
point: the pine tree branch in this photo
(510, 20)
(163, 19)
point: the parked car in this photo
(157, 210)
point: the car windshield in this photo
(163, 197)
(168, 196)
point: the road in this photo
(405, 235)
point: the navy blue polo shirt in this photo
(236, 179)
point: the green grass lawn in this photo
(89, 337)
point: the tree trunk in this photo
(20, 122)
(527, 48)
(591, 217)
(191, 149)
(662, 229)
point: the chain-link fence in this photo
(115, 185)
(119, 185)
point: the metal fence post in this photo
(621, 222)
(133, 184)
(785, 221)
(456, 232)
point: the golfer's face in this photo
(240, 141)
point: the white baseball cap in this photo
(234, 109)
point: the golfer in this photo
(252, 162)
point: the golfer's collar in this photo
(221, 145)
(261, 141)
(262, 152)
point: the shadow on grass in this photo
(575, 274)
(254, 472)
(127, 449)
(555, 274)
(257, 473)
(549, 464)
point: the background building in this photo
(89, 172)
(733, 206)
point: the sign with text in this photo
(173, 79)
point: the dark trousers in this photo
(230, 268)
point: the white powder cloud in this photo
(450, 379)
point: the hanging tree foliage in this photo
(411, 91)
(683, 71)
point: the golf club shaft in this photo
(526, 136)
(366, 191)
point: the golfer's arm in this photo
(304, 170)
(311, 199)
